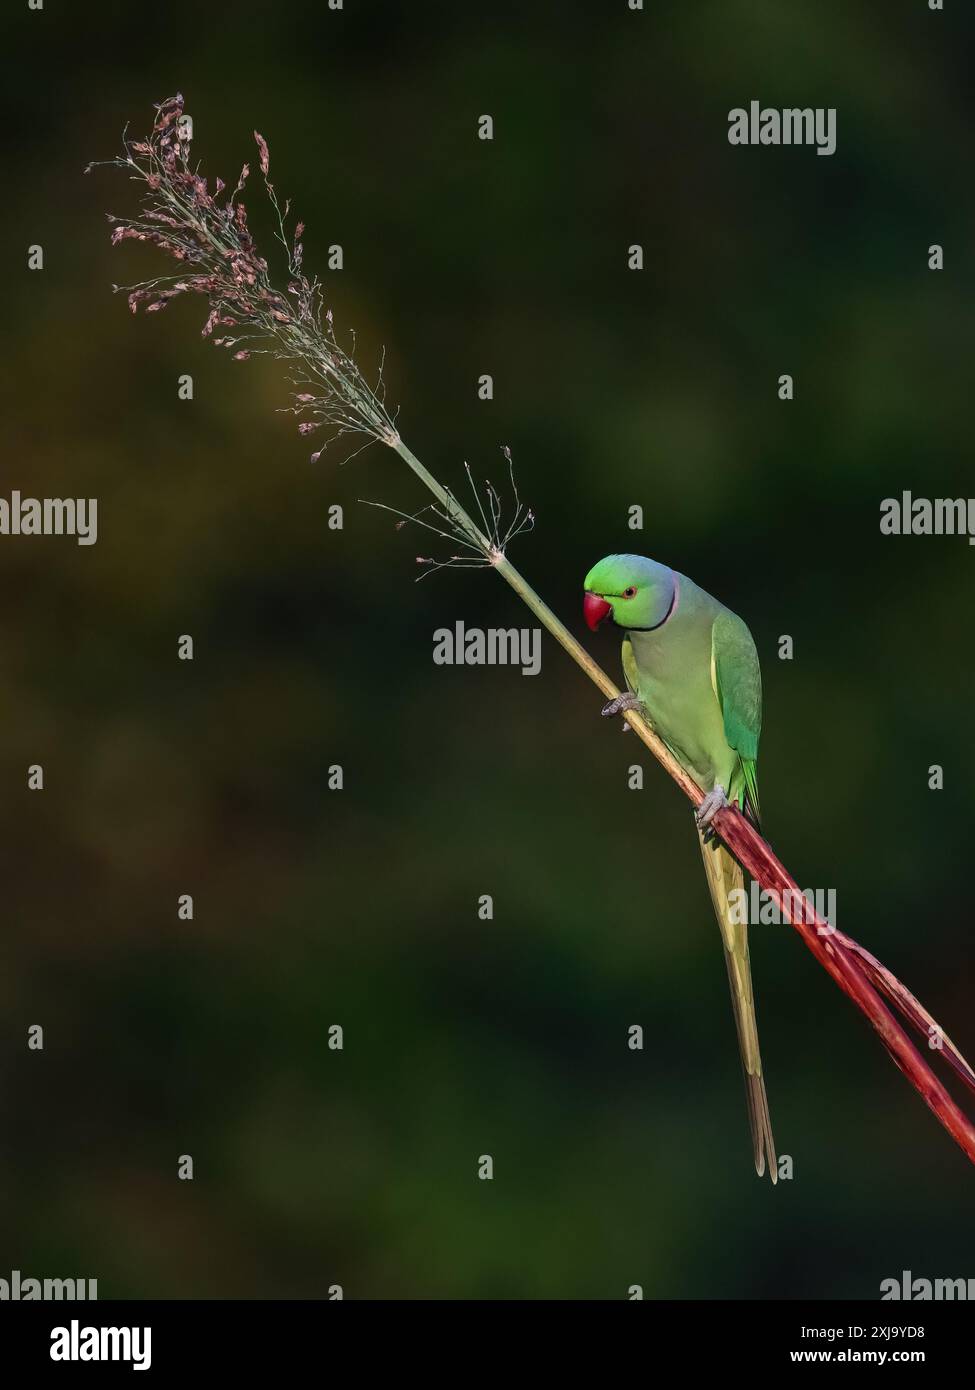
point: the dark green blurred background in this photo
(313, 647)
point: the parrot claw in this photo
(715, 801)
(621, 703)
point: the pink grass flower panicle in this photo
(207, 232)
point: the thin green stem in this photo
(547, 618)
(446, 499)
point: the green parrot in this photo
(692, 670)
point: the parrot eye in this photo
(630, 592)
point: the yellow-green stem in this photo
(548, 619)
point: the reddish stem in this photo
(856, 972)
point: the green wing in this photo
(737, 680)
(632, 673)
(629, 667)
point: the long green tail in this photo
(724, 875)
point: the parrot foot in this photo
(715, 801)
(621, 703)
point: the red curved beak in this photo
(594, 610)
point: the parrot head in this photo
(636, 592)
